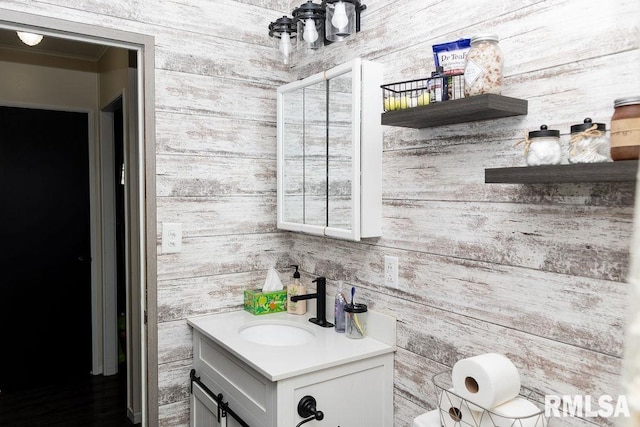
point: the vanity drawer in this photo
(247, 392)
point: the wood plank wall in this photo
(216, 78)
(536, 272)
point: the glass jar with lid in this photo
(625, 129)
(588, 143)
(355, 320)
(542, 147)
(483, 66)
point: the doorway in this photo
(141, 216)
(45, 261)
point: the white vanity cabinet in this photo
(355, 394)
(351, 380)
(247, 392)
(358, 393)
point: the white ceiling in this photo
(53, 46)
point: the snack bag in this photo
(451, 55)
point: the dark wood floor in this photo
(89, 401)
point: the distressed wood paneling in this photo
(413, 374)
(534, 34)
(209, 216)
(206, 136)
(215, 129)
(548, 237)
(430, 171)
(544, 364)
(533, 301)
(193, 176)
(173, 381)
(534, 271)
(196, 94)
(175, 414)
(272, 5)
(212, 55)
(225, 18)
(552, 95)
(209, 256)
(203, 295)
(174, 341)
(417, 394)
(433, 173)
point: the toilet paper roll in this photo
(430, 419)
(518, 412)
(487, 380)
(455, 412)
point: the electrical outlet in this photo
(391, 271)
(171, 237)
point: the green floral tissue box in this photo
(258, 302)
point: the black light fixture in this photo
(309, 19)
(283, 32)
(342, 18)
(316, 25)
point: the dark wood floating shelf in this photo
(479, 107)
(624, 170)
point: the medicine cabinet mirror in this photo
(330, 152)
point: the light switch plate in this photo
(171, 237)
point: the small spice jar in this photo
(588, 143)
(542, 147)
(483, 66)
(355, 320)
(625, 129)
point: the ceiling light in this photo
(29, 39)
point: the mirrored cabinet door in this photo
(324, 179)
(304, 154)
(340, 168)
(292, 158)
(314, 155)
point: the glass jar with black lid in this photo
(588, 143)
(543, 147)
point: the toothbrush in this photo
(355, 316)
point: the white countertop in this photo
(328, 349)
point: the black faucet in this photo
(321, 303)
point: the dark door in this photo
(45, 272)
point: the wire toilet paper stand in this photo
(456, 411)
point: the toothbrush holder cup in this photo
(355, 320)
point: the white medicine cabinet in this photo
(330, 152)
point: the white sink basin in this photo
(276, 333)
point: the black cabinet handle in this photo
(307, 408)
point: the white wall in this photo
(48, 81)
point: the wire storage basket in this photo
(456, 411)
(420, 92)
